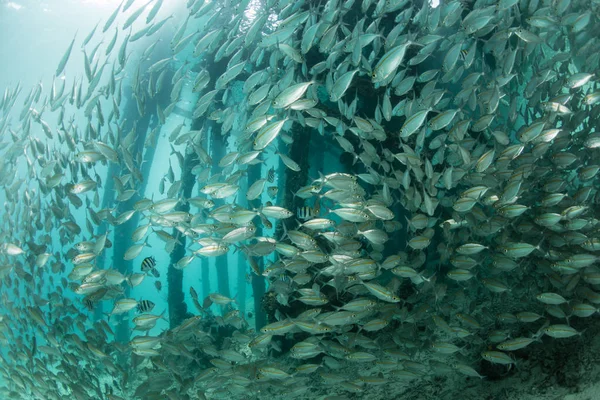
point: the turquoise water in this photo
(341, 199)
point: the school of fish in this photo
(465, 231)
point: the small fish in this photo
(124, 305)
(341, 85)
(390, 61)
(149, 265)
(145, 306)
(515, 344)
(88, 303)
(268, 133)
(65, 58)
(218, 298)
(158, 285)
(305, 213)
(111, 19)
(560, 331)
(271, 175)
(497, 357)
(291, 94)
(207, 302)
(272, 191)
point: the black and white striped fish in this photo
(271, 175)
(305, 213)
(145, 306)
(88, 303)
(149, 265)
